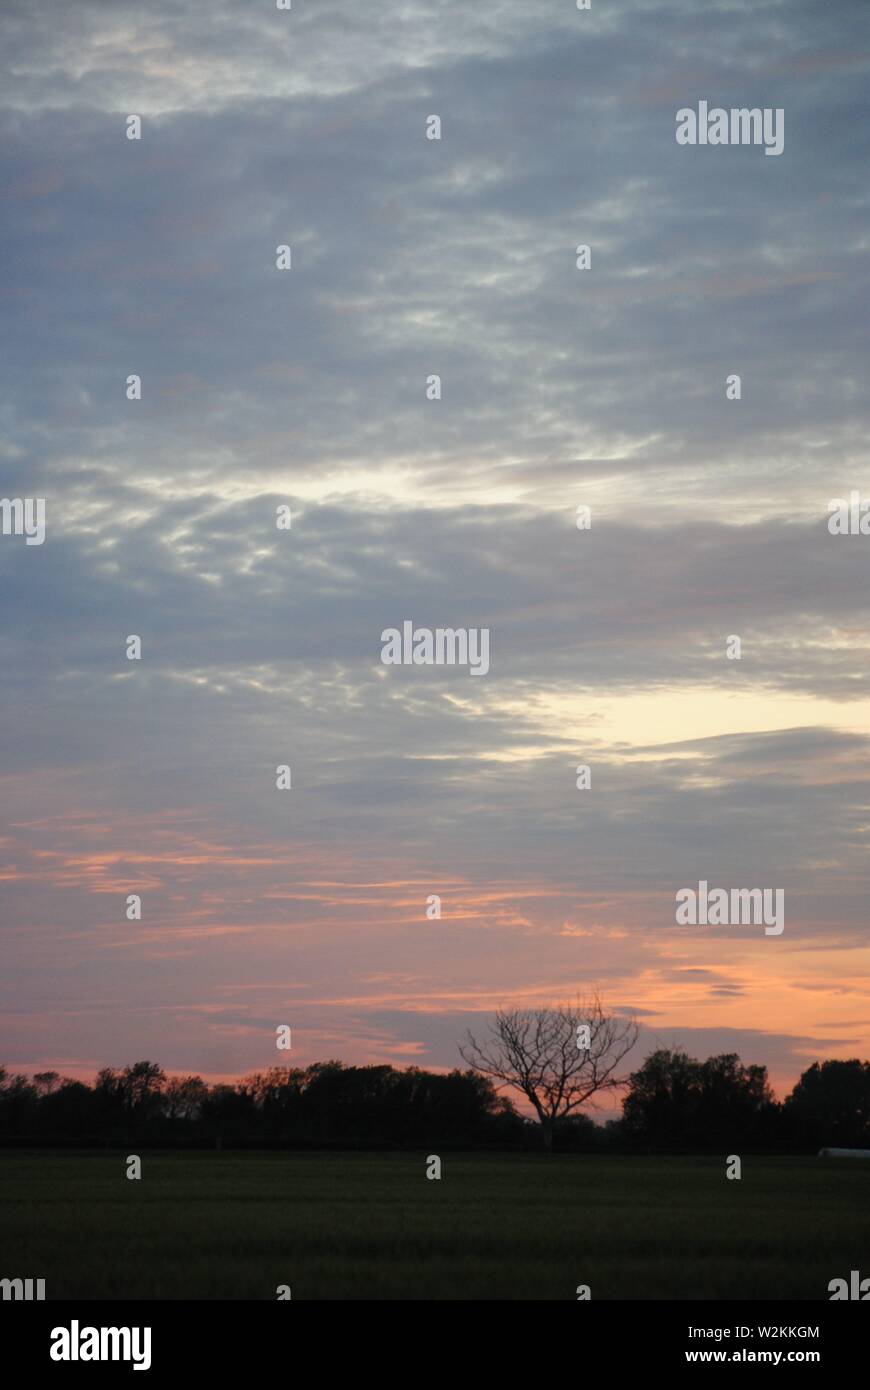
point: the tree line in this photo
(671, 1103)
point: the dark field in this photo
(372, 1226)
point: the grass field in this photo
(500, 1226)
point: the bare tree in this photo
(558, 1058)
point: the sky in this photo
(560, 387)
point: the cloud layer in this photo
(307, 388)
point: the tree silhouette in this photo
(183, 1097)
(675, 1101)
(558, 1058)
(831, 1104)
